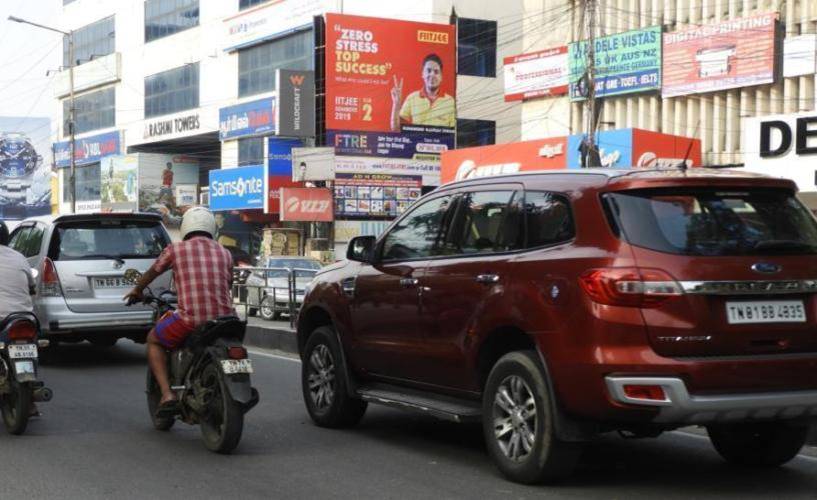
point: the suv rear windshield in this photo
(108, 239)
(715, 222)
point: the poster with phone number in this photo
(375, 195)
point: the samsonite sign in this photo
(238, 188)
(306, 204)
(783, 146)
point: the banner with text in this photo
(240, 188)
(538, 74)
(245, 119)
(375, 195)
(88, 149)
(306, 204)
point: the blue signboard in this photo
(249, 118)
(280, 155)
(237, 188)
(389, 144)
(615, 148)
(88, 149)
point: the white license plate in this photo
(22, 351)
(232, 366)
(110, 283)
(24, 367)
(782, 311)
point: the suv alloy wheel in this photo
(518, 422)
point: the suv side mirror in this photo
(361, 249)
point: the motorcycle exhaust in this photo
(42, 394)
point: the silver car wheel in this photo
(321, 378)
(515, 417)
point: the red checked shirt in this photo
(202, 272)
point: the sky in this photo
(26, 54)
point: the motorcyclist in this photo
(16, 281)
(203, 278)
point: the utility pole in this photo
(591, 151)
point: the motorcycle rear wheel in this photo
(16, 408)
(154, 395)
(223, 422)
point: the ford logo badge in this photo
(766, 268)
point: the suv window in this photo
(715, 222)
(121, 239)
(486, 221)
(33, 242)
(18, 239)
(548, 218)
(416, 234)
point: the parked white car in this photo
(269, 291)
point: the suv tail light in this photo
(22, 330)
(50, 282)
(629, 286)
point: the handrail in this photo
(253, 295)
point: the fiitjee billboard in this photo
(726, 55)
(538, 74)
(306, 204)
(390, 76)
(484, 161)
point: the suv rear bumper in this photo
(682, 407)
(55, 318)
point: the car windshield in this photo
(108, 239)
(281, 267)
(714, 222)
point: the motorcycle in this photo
(210, 374)
(19, 386)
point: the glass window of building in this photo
(88, 180)
(472, 133)
(257, 65)
(171, 91)
(250, 151)
(92, 112)
(246, 4)
(166, 17)
(476, 47)
(90, 42)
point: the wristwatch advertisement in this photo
(25, 181)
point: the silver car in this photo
(80, 262)
(269, 291)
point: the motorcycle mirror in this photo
(132, 276)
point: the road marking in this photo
(274, 356)
(685, 433)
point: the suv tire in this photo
(324, 382)
(767, 444)
(516, 398)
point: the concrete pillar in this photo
(654, 122)
(776, 99)
(732, 125)
(762, 101)
(747, 109)
(670, 11)
(718, 125)
(667, 116)
(695, 11)
(680, 116)
(705, 131)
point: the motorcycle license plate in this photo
(22, 351)
(232, 366)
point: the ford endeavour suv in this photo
(555, 306)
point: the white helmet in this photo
(198, 219)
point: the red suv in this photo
(553, 306)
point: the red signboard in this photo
(274, 185)
(541, 154)
(379, 78)
(657, 150)
(306, 204)
(725, 55)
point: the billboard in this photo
(799, 55)
(537, 74)
(296, 103)
(119, 182)
(248, 118)
(159, 174)
(783, 147)
(726, 55)
(313, 164)
(375, 195)
(416, 145)
(88, 150)
(25, 167)
(306, 204)
(540, 154)
(428, 170)
(386, 75)
(279, 170)
(240, 188)
(625, 63)
(256, 25)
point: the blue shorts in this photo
(171, 331)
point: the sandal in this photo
(168, 409)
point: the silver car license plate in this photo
(232, 366)
(22, 351)
(110, 283)
(772, 311)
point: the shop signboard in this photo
(656, 150)
(720, 56)
(242, 188)
(88, 149)
(428, 170)
(799, 55)
(375, 195)
(296, 103)
(25, 167)
(306, 204)
(256, 25)
(313, 164)
(279, 170)
(615, 149)
(483, 161)
(120, 182)
(542, 73)
(785, 146)
(415, 145)
(247, 119)
(625, 63)
(375, 76)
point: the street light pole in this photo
(71, 107)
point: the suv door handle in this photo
(409, 282)
(487, 279)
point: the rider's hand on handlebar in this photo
(133, 297)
